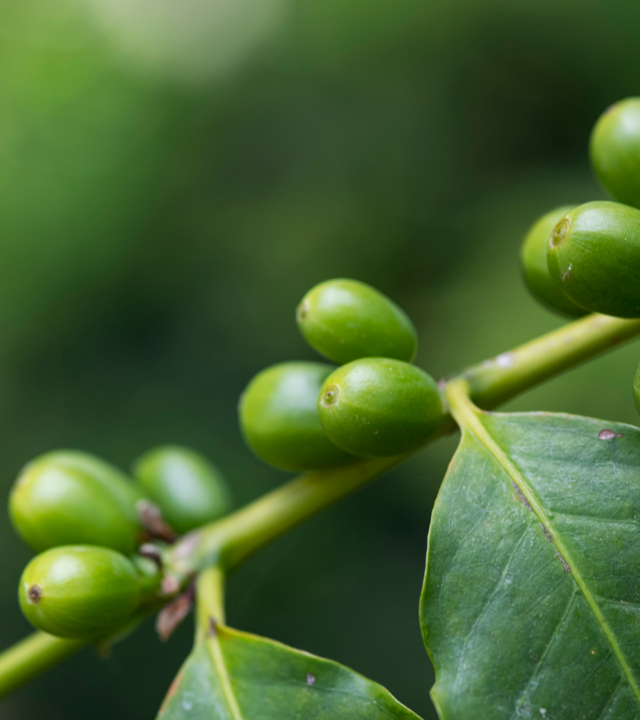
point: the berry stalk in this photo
(227, 542)
(230, 541)
(497, 380)
(32, 656)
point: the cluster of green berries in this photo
(84, 517)
(587, 258)
(310, 415)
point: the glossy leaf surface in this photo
(232, 675)
(531, 603)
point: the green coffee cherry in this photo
(535, 268)
(279, 417)
(345, 320)
(78, 591)
(594, 253)
(68, 498)
(187, 488)
(615, 150)
(378, 407)
(636, 388)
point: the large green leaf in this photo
(232, 675)
(531, 602)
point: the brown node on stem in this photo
(169, 585)
(174, 613)
(151, 519)
(152, 552)
(213, 627)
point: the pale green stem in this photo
(209, 600)
(507, 375)
(231, 540)
(228, 542)
(33, 655)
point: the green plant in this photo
(615, 150)
(187, 488)
(594, 256)
(345, 320)
(530, 599)
(378, 407)
(69, 498)
(535, 268)
(78, 591)
(279, 419)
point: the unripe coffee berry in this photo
(378, 407)
(78, 591)
(594, 253)
(279, 418)
(69, 498)
(615, 150)
(535, 268)
(345, 320)
(187, 488)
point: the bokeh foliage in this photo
(169, 189)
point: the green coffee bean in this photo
(68, 498)
(594, 253)
(78, 591)
(535, 268)
(345, 320)
(615, 150)
(187, 488)
(279, 417)
(377, 407)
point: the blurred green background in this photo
(173, 178)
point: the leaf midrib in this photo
(217, 658)
(466, 415)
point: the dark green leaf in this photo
(531, 602)
(232, 675)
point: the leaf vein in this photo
(467, 416)
(600, 519)
(491, 598)
(609, 704)
(547, 649)
(217, 657)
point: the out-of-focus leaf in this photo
(231, 675)
(531, 602)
